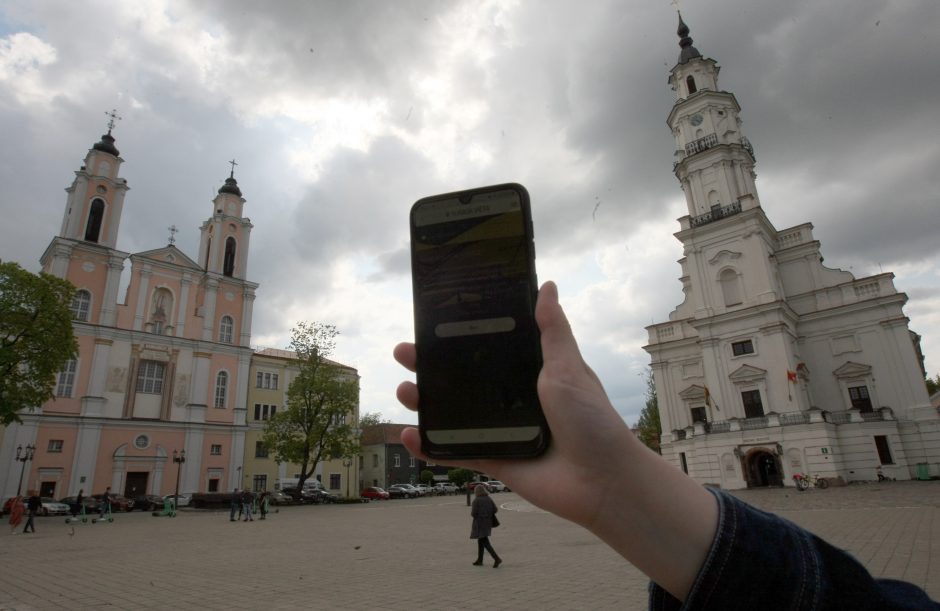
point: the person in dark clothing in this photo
(77, 506)
(248, 499)
(33, 505)
(483, 512)
(236, 504)
(701, 548)
(105, 502)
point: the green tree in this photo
(933, 385)
(426, 477)
(459, 477)
(318, 422)
(648, 428)
(36, 338)
(372, 419)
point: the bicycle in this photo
(804, 481)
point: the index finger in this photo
(405, 354)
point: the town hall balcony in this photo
(716, 213)
(774, 420)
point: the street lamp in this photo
(179, 458)
(25, 458)
(346, 463)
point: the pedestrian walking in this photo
(77, 506)
(105, 503)
(33, 505)
(235, 504)
(16, 513)
(248, 500)
(483, 512)
(263, 504)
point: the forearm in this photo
(658, 518)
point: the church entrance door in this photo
(763, 469)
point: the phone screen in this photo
(476, 338)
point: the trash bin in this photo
(922, 470)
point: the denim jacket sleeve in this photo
(761, 561)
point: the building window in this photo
(411, 461)
(215, 449)
(335, 481)
(753, 408)
(81, 303)
(740, 348)
(264, 411)
(225, 329)
(95, 216)
(698, 414)
(690, 83)
(267, 381)
(260, 450)
(150, 377)
(228, 263)
(221, 386)
(161, 310)
(860, 399)
(55, 446)
(884, 451)
(66, 379)
(396, 460)
(375, 460)
(213, 485)
(259, 483)
(730, 287)
(339, 419)
(141, 442)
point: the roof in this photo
(290, 355)
(382, 434)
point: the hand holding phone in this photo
(477, 343)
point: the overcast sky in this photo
(341, 114)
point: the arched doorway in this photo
(762, 469)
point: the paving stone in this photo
(413, 554)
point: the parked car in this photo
(325, 496)
(306, 495)
(118, 502)
(374, 493)
(496, 486)
(183, 500)
(149, 502)
(446, 488)
(279, 497)
(423, 489)
(52, 507)
(91, 505)
(403, 491)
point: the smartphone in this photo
(478, 350)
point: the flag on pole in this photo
(791, 379)
(708, 399)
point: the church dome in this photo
(106, 145)
(230, 186)
(685, 42)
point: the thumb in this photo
(558, 342)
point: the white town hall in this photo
(774, 364)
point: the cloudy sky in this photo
(342, 114)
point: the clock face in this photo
(696, 120)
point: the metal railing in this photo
(702, 144)
(790, 418)
(715, 214)
(749, 424)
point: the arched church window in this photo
(226, 325)
(81, 303)
(221, 388)
(690, 83)
(730, 287)
(161, 310)
(95, 217)
(228, 264)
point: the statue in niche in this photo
(182, 390)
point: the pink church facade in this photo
(164, 369)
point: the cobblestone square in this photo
(412, 554)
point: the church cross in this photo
(173, 231)
(233, 164)
(111, 117)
